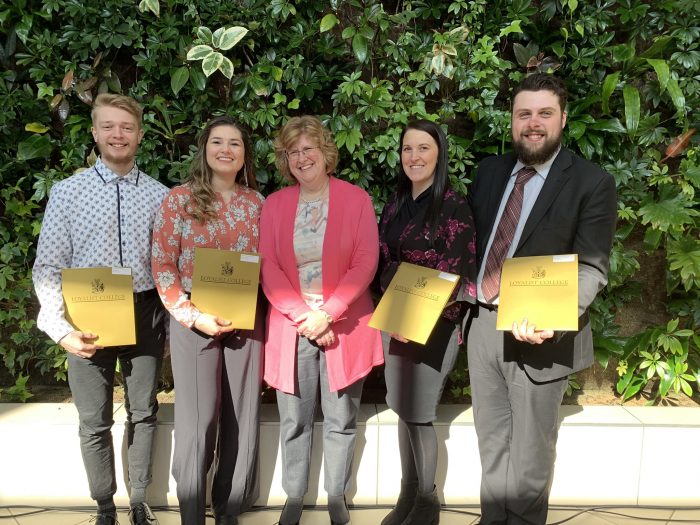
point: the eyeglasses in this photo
(297, 153)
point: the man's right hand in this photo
(80, 343)
(212, 325)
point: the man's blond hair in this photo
(128, 104)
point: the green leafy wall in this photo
(633, 69)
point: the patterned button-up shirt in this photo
(94, 218)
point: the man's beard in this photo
(541, 154)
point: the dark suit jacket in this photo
(575, 212)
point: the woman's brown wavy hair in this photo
(201, 206)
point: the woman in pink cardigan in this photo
(319, 246)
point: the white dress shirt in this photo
(530, 193)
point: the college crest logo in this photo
(421, 282)
(226, 268)
(97, 286)
(538, 272)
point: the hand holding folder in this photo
(413, 302)
(225, 287)
(542, 290)
(100, 301)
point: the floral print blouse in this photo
(176, 233)
(453, 251)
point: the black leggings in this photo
(418, 448)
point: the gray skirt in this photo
(415, 374)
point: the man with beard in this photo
(542, 199)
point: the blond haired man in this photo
(103, 216)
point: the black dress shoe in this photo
(226, 520)
(104, 519)
(141, 514)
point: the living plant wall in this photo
(367, 67)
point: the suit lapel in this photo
(497, 185)
(556, 179)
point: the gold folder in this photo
(101, 300)
(225, 284)
(543, 289)
(413, 301)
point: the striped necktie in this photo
(505, 232)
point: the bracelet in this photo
(329, 318)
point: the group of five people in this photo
(321, 249)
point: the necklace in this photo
(307, 204)
(321, 195)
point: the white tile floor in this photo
(373, 516)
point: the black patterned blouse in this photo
(404, 238)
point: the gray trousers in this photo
(217, 403)
(297, 419)
(517, 422)
(92, 384)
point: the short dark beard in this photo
(541, 155)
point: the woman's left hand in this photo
(327, 338)
(312, 324)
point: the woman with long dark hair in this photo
(217, 370)
(425, 223)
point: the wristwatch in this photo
(328, 316)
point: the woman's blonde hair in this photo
(316, 132)
(201, 206)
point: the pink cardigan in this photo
(350, 256)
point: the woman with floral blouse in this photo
(217, 370)
(425, 223)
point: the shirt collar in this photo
(108, 176)
(542, 169)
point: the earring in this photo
(245, 175)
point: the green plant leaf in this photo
(151, 5)
(359, 47)
(199, 52)
(676, 95)
(36, 127)
(652, 239)
(179, 78)
(632, 108)
(521, 54)
(662, 71)
(684, 255)
(229, 38)
(36, 146)
(668, 213)
(612, 125)
(623, 52)
(328, 22)
(513, 27)
(609, 85)
(204, 34)
(212, 62)
(576, 129)
(226, 67)
(657, 48)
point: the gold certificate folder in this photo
(413, 301)
(542, 289)
(101, 300)
(225, 284)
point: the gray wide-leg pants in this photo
(296, 425)
(517, 422)
(217, 402)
